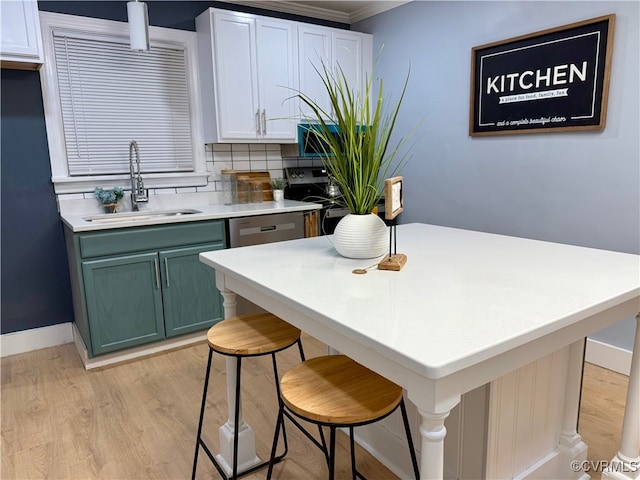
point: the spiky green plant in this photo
(359, 157)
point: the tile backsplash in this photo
(251, 157)
(219, 156)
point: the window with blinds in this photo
(110, 95)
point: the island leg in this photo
(434, 401)
(570, 439)
(247, 457)
(432, 431)
(626, 464)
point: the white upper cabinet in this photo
(277, 78)
(248, 70)
(21, 40)
(337, 49)
(314, 51)
(352, 53)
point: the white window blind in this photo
(110, 95)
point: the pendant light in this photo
(138, 26)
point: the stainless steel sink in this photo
(138, 216)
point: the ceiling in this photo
(337, 11)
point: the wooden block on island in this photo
(393, 262)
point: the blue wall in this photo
(36, 290)
(35, 277)
(579, 188)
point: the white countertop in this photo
(466, 309)
(79, 223)
(462, 297)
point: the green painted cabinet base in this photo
(123, 304)
(139, 285)
(190, 297)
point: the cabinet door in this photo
(236, 76)
(337, 49)
(314, 44)
(124, 301)
(277, 67)
(352, 52)
(20, 34)
(190, 297)
(347, 56)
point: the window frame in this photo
(62, 181)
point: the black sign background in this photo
(503, 107)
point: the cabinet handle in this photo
(264, 122)
(155, 264)
(166, 269)
(258, 123)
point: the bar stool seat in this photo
(240, 337)
(252, 335)
(336, 391)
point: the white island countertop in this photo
(462, 297)
(466, 309)
(149, 216)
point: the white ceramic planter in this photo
(278, 195)
(361, 236)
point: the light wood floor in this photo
(138, 420)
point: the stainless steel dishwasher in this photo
(255, 230)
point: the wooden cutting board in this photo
(263, 178)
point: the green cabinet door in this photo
(190, 297)
(124, 301)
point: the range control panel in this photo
(306, 175)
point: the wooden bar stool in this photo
(240, 337)
(337, 392)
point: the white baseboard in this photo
(557, 464)
(608, 356)
(51, 336)
(35, 339)
(134, 352)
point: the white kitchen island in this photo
(468, 309)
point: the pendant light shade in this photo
(138, 26)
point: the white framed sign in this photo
(547, 81)
(393, 197)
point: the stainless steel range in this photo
(312, 184)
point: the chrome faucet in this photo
(138, 192)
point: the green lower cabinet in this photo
(190, 297)
(133, 286)
(124, 301)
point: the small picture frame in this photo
(393, 197)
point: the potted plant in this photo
(277, 185)
(358, 158)
(109, 198)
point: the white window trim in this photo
(62, 182)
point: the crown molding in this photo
(300, 8)
(373, 8)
